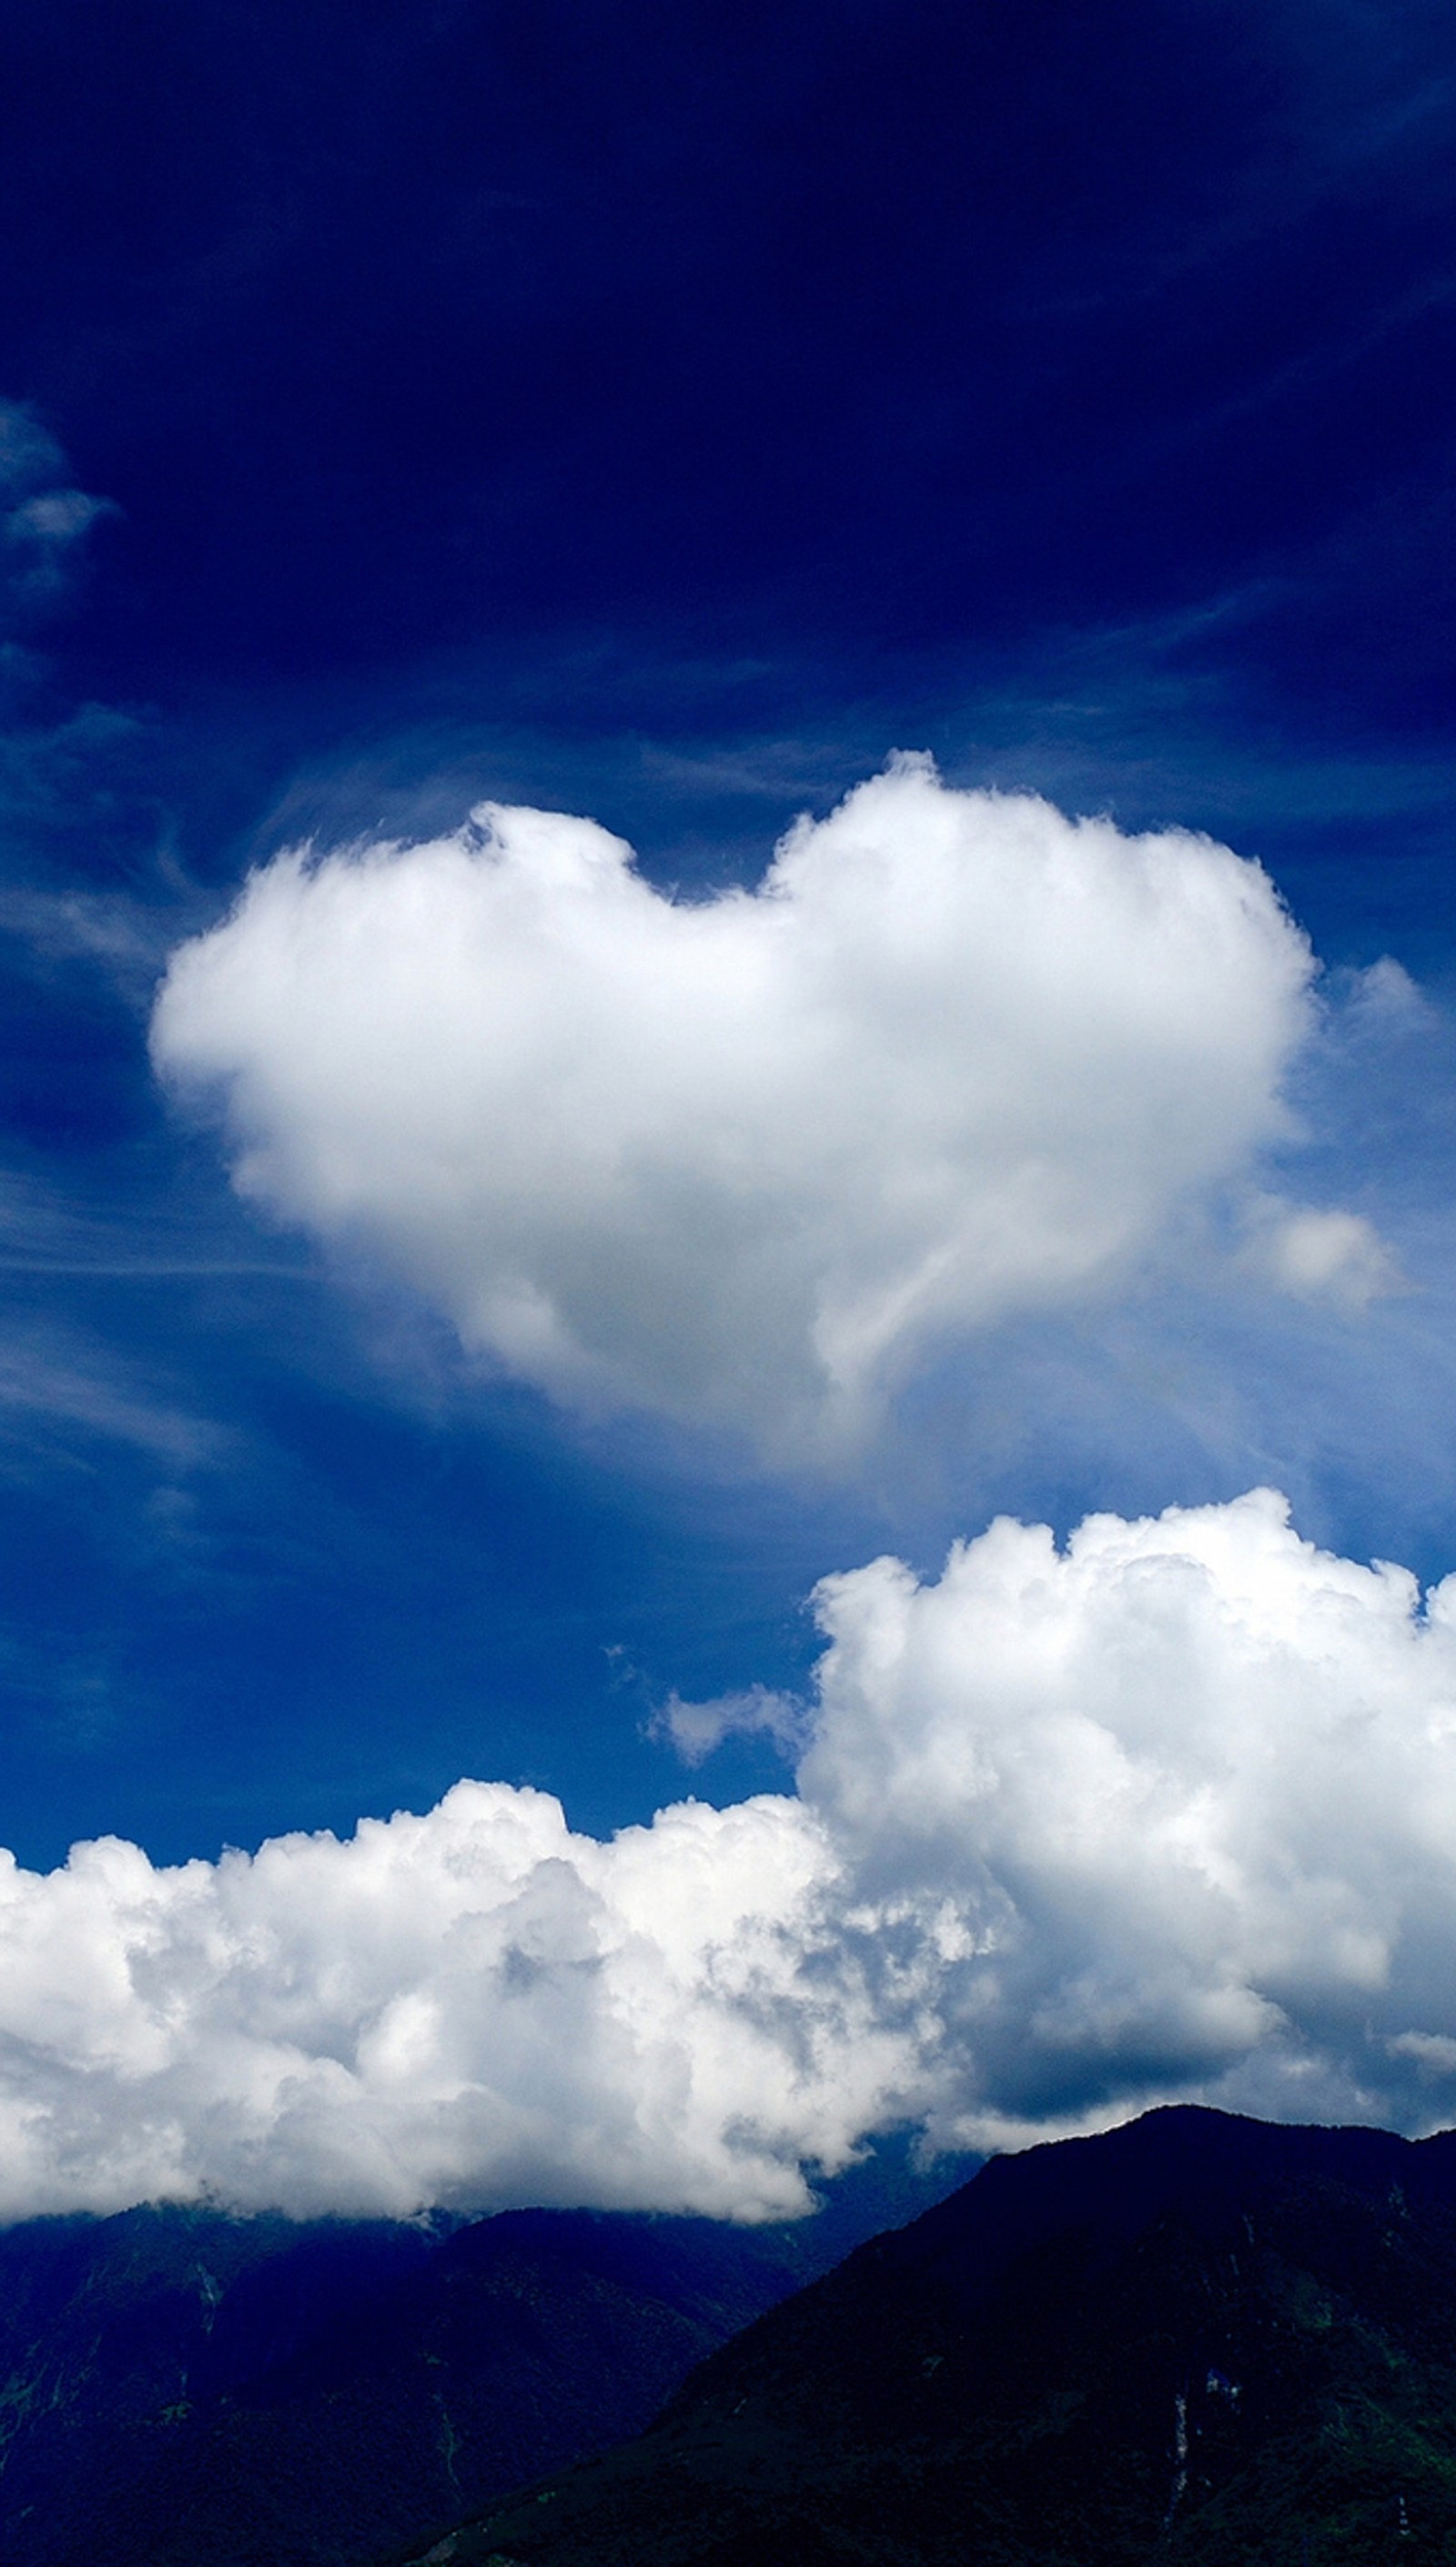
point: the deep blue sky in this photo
(664, 413)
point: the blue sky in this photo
(666, 416)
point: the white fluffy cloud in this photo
(1187, 1790)
(474, 2005)
(1317, 1254)
(1170, 1812)
(741, 1160)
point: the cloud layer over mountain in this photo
(1172, 1812)
(741, 1160)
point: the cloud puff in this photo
(474, 2005)
(1170, 1812)
(743, 1160)
(1319, 1254)
(46, 519)
(29, 455)
(1187, 1790)
(696, 1728)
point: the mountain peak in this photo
(1196, 2337)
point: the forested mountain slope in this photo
(1198, 2337)
(177, 2387)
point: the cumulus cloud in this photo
(1188, 1788)
(743, 1160)
(1168, 1811)
(476, 2005)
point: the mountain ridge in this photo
(1197, 2338)
(176, 2385)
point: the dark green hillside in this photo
(1198, 2339)
(180, 2388)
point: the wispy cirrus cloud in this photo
(44, 518)
(695, 1729)
(53, 1382)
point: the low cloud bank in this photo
(471, 2006)
(744, 1161)
(1169, 1813)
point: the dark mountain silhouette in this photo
(1198, 2339)
(177, 2387)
